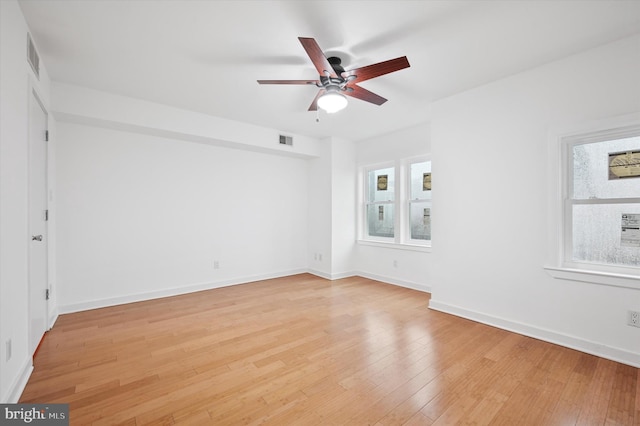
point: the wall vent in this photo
(32, 56)
(286, 140)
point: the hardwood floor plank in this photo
(598, 396)
(306, 351)
(568, 409)
(621, 408)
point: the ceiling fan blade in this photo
(288, 82)
(376, 70)
(363, 94)
(317, 57)
(314, 104)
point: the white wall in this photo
(343, 207)
(413, 267)
(490, 162)
(143, 216)
(319, 212)
(16, 80)
(332, 209)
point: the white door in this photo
(37, 222)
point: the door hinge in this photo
(47, 294)
(46, 215)
(46, 136)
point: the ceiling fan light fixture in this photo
(332, 101)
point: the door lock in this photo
(36, 238)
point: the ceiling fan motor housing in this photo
(335, 64)
(326, 81)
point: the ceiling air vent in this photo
(286, 140)
(32, 56)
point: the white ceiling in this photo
(206, 56)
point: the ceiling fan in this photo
(334, 82)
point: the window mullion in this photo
(400, 235)
(567, 241)
(606, 201)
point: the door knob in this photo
(36, 238)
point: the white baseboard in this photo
(597, 349)
(319, 274)
(381, 278)
(402, 283)
(331, 277)
(139, 297)
(19, 383)
(53, 317)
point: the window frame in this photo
(556, 264)
(406, 227)
(401, 202)
(569, 201)
(366, 203)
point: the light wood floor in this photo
(302, 350)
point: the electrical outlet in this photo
(395, 263)
(8, 350)
(634, 319)
(216, 264)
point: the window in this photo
(380, 203)
(419, 200)
(397, 202)
(602, 201)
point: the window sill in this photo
(396, 246)
(595, 277)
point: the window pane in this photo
(591, 170)
(420, 220)
(380, 220)
(381, 185)
(421, 181)
(597, 234)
